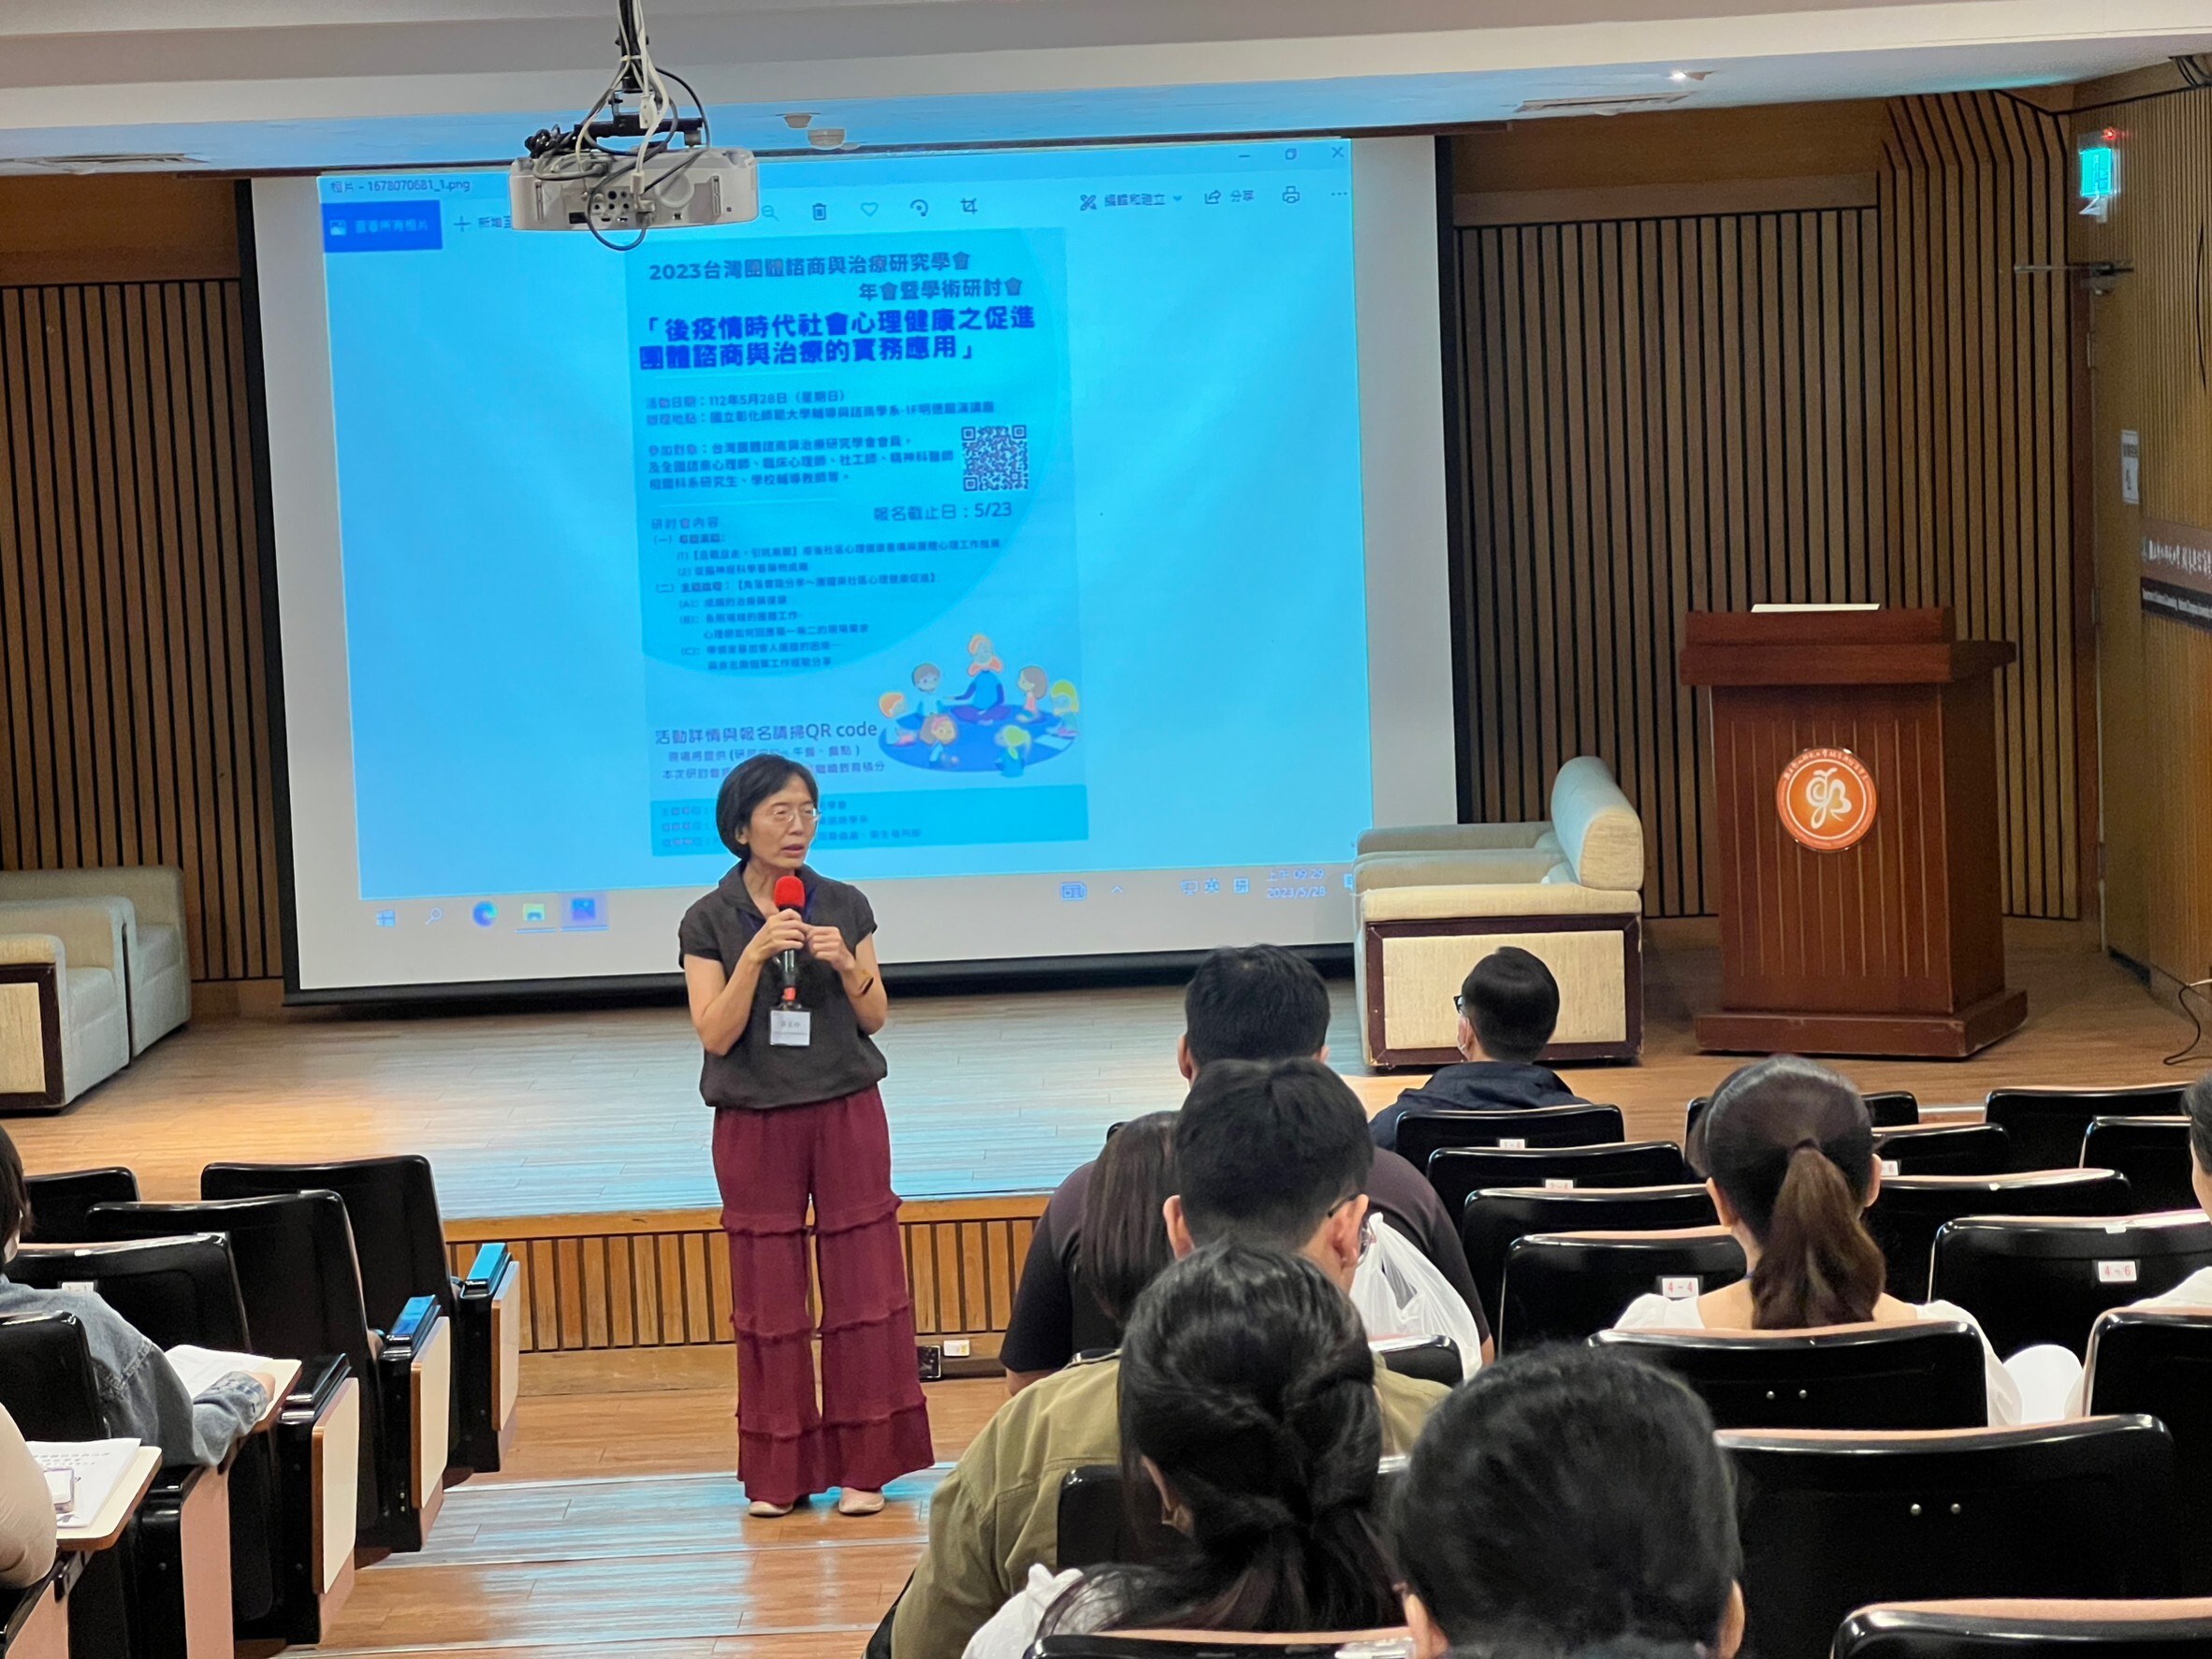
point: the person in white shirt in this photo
(2058, 1371)
(1787, 1149)
(2196, 1290)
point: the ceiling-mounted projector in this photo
(635, 162)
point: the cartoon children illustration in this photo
(984, 700)
(1031, 681)
(1066, 704)
(892, 705)
(1016, 742)
(939, 732)
(927, 677)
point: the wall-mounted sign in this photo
(2132, 468)
(1826, 799)
(2099, 159)
(2177, 572)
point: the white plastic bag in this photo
(1398, 1292)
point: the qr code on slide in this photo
(997, 457)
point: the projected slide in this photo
(1023, 496)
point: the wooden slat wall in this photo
(663, 1280)
(1676, 413)
(131, 662)
(2152, 351)
(1978, 386)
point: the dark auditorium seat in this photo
(185, 1290)
(1539, 1126)
(296, 1270)
(1947, 1149)
(1567, 1287)
(1909, 1211)
(131, 1600)
(400, 1239)
(1992, 1629)
(1349, 1644)
(1433, 1359)
(1834, 1522)
(2047, 1125)
(1496, 1215)
(2031, 1279)
(1927, 1374)
(1096, 1525)
(2151, 1152)
(59, 1201)
(1888, 1108)
(1455, 1171)
(2159, 1364)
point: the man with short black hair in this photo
(998, 1513)
(1509, 1007)
(1245, 1002)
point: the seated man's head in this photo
(1274, 1154)
(1509, 1007)
(1253, 1002)
(2197, 1102)
(1567, 1497)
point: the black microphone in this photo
(791, 895)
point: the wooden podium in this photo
(1854, 783)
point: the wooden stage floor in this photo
(545, 1113)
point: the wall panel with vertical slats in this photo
(130, 602)
(1827, 404)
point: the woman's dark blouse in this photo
(840, 1059)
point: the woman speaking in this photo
(785, 995)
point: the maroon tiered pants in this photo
(871, 1426)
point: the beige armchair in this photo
(1433, 901)
(157, 980)
(63, 1025)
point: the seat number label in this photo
(2116, 1272)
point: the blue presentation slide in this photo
(1018, 495)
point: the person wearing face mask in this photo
(787, 998)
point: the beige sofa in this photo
(63, 1020)
(158, 979)
(1433, 901)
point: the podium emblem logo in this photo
(1826, 799)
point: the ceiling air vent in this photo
(1621, 104)
(116, 162)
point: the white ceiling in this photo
(247, 84)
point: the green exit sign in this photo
(2100, 171)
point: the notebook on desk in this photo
(82, 1475)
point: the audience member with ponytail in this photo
(1249, 1418)
(1788, 1151)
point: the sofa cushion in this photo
(1451, 837)
(1599, 833)
(91, 993)
(1496, 865)
(1434, 904)
(161, 948)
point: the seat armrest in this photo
(415, 1395)
(92, 930)
(318, 1441)
(33, 950)
(35, 1623)
(486, 1358)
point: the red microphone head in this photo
(790, 894)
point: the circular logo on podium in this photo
(1826, 799)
